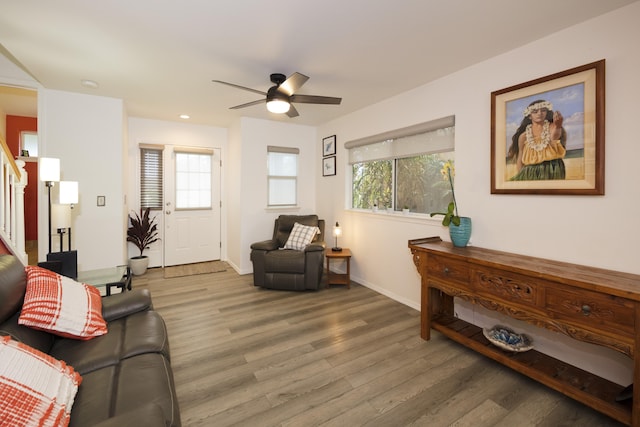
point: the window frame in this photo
(281, 177)
(159, 176)
(397, 145)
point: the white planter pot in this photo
(139, 265)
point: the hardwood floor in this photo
(252, 357)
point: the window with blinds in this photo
(283, 176)
(151, 178)
(403, 168)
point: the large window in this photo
(402, 169)
(283, 176)
(151, 184)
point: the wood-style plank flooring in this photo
(252, 357)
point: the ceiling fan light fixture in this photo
(278, 106)
(277, 102)
(281, 97)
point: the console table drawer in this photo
(508, 286)
(448, 269)
(593, 309)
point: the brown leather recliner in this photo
(288, 269)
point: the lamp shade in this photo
(277, 106)
(277, 102)
(337, 231)
(68, 192)
(61, 216)
(49, 169)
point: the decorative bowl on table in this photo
(506, 339)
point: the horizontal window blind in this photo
(282, 180)
(151, 178)
(288, 150)
(430, 137)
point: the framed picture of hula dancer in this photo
(547, 135)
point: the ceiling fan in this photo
(280, 96)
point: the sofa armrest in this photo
(315, 247)
(146, 415)
(126, 303)
(265, 245)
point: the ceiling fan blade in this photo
(248, 104)
(240, 87)
(293, 83)
(313, 99)
(292, 111)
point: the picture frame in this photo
(578, 95)
(329, 166)
(24, 153)
(329, 146)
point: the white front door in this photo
(192, 205)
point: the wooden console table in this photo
(588, 304)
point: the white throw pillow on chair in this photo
(301, 236)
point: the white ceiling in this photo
(160, 56)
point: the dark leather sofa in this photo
(126, 374)
(286, 269)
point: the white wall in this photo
(233, 203)
(252, 220)
(86, 133)
(590, 230)
(12, 75)
(168, 133)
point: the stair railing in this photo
(13, 180)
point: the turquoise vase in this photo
(460, 234)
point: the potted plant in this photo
(142, 232)
(459, 227)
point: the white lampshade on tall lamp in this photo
(337, 231)
(49, 172)
(49, 169)
(68, 195)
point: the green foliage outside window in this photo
(372, 184)
(418, 183)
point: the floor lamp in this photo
(49, 172)
(68, 196)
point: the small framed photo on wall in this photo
(329, 166)
(329, 146)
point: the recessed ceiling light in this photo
(89, 83)
(184, 116)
